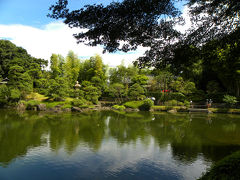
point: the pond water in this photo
(113, 145)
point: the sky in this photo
(25, 23)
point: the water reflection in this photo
(114, 144)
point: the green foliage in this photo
(117, 90)
(42, 86)
(197, 96)
(213, 87)
(58, 88)
(187, 103)
(162, 79)
(146, 106)
(162, 108)
(76, 93)
(230, 100)
(178, 96)
(133, 104)
(55, 66)
(86, 84)
(98, 82)
(122, 74)
(79, 102)
(167, 108)
(140, 79)
(52, 104)
(171, 103)
(93, 67)
(227, 168)
(32, 104)
(185, 87)
(15, 95)
(224, 110)
(130, 26)
(71, 68)
(4, 94)
(91, 94)
(120, 108)
(136, 92)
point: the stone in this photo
(76, 109)
(172, 111)
(21, 107)
(41, 107)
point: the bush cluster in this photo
(146, 106)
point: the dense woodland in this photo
(202, 63)
(211, 72)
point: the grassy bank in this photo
(224, 110)
(167, 108)
(227, 168)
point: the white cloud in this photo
(186, 16)
(57, 38)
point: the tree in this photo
(230, 100)
(4, 94)
(220, 20)
(91, 94)
(136, 92)
(58, 88)
(93, 67)
(134, 21)
(71, 68)
(117, 90)
(163, 79)
(55, 66)
(185, 87)
(140, 79)
(123, 75)
(151, 24)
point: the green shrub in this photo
(178, 96)
(15, 95)
(197, 96)
(180, 103)
(79, 102)
(171, 103)
(174, 102)
(227, 168)
(230, 100)
(136, 91)
(4, 94)
(146, 106)
(120, 108)
(53, 104)
(167, 108)
(66, 106)
(187, 103)
(92, 94)
(224, 110)
(161, 108)
(32, 104)
(133, 104)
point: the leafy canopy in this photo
(149, 23)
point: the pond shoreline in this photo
(169, 109)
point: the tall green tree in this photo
(71, 68)
(55, 66)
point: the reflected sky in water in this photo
(119, 145)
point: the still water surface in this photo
(111, 145)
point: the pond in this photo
(113, 145)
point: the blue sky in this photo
(34, 12)
(26, 24)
